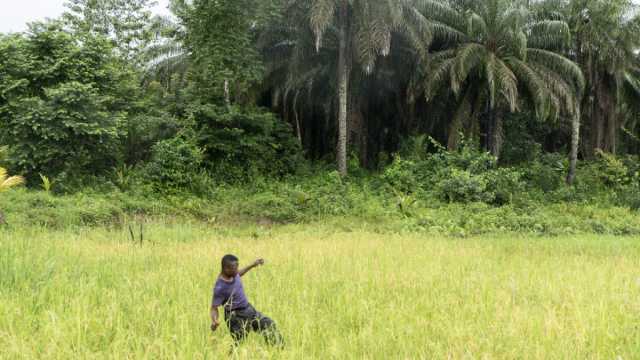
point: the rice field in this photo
(335, 294)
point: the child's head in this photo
(229, 265)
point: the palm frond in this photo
(322, 14)
(467, 59)
(534, 84)
(490, 75)
(476, 27)
(565, 67)
(507, 84)
(7, 182)
(442, 13)
(439, 74)
(549, 34)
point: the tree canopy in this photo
(343, 81)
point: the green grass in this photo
(91, 293)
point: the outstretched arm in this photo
(258, 262)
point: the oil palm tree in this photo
(606, 37)
(166, 59)
(607, 40)
(333, 39)
(501, 55)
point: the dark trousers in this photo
(243, 321)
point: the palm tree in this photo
(344, 36)
(499, 56)
(6, 183)
(166, 56)
(607, 40)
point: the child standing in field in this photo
(239, 314)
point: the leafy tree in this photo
(224, 60)
(125, 22)
(62, 102)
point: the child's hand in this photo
(215, 325)
(258, 262)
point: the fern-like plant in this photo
(47, 184)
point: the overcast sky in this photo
(15, 14)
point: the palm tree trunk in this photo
(227, 94)
(343, 90)
(453, 137)
(297, 118)
(612, 131)
(601, 109)
(575, 143)
(497, 136)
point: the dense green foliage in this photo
(248, 103)
(327, 136)
(62, 104)
(241, 144)
(127, 23)
(221, 46)
(174, 163)
(412, 195)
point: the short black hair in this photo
(228, 259)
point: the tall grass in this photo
(349, 208)
(348, 295)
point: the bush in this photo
(401, 175)
(324, 197)
(629, 196)
(241, 144)
(467, 175)
(505, 184)
(611, 171)
(463, 187)
(175, 164)
(546, 172)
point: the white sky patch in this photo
(15, 14)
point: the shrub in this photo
(629, 196)
(546, 172)
(175, 164)
(612, 171)
(464, 187)
(505, 184)
(401, 175)
(240, 144)
(466, 175)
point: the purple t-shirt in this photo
(230, 294)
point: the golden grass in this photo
(343, 295)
